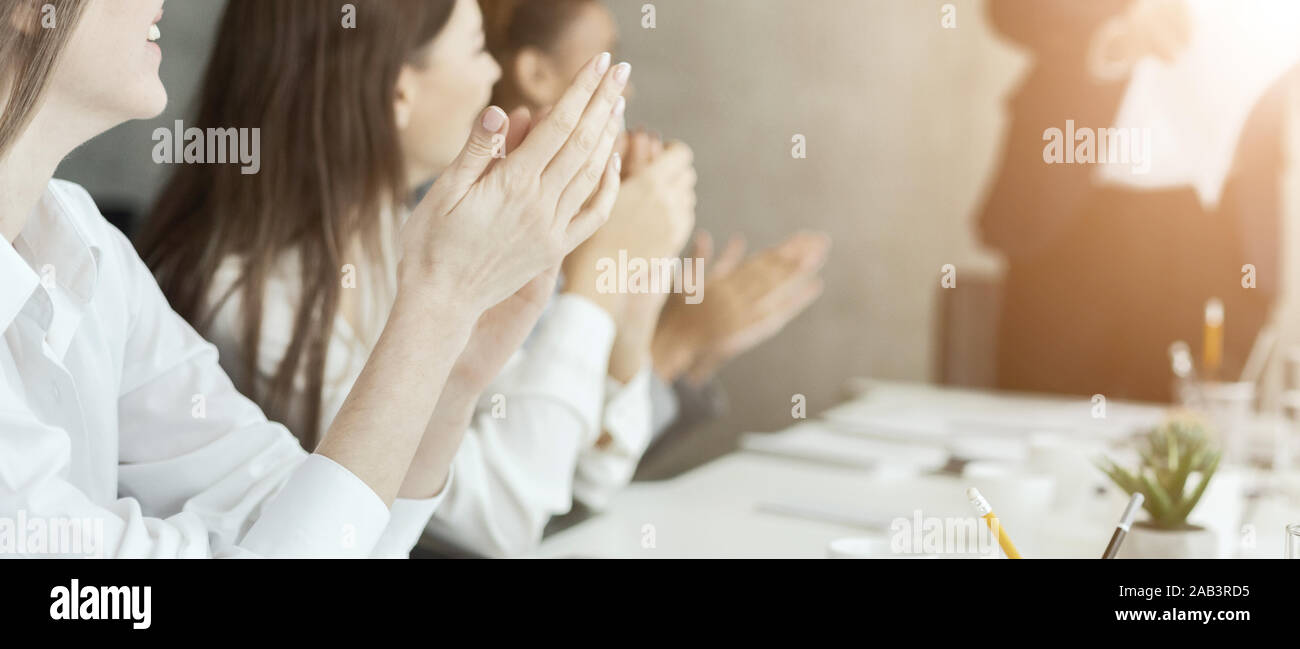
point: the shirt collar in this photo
(19, 283)
(50, 249)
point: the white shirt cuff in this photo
(602, 472)
(627, 413)
(569, 359)
(323, 510)
(407, 521)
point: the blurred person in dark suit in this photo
(1101, 279)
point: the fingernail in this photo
(618, 163)
(620, 105)
(494, 119)
(622, 71)
(602, 63)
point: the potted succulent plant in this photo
(1179, 453)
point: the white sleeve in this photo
(515, 468)
(604, 470)
(406, 524)
(343, 363)
(252, 492)
(228, 483)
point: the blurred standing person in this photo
(1100, 279)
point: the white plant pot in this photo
(1144, 542)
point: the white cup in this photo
(1070, 462)
(1228, 406)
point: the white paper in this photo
(815, 442)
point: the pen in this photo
(986, 511)
(1125, 522)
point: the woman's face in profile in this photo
(439, 99)
(111, 65)
(590, 32)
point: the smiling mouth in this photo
(154, 32)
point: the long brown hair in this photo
(322, 95)
(27, 57)
(514, 25)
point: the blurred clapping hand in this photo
(1150, 28)
(746, 301)
(652, 219)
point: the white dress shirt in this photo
(113, 410)
(531, 447)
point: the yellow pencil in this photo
(1212, 356)
(986, 511)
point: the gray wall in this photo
(903, 120)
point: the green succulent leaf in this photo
(1168, 456)
(1157, 499)
(1189, 503)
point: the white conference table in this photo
(864, 465)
